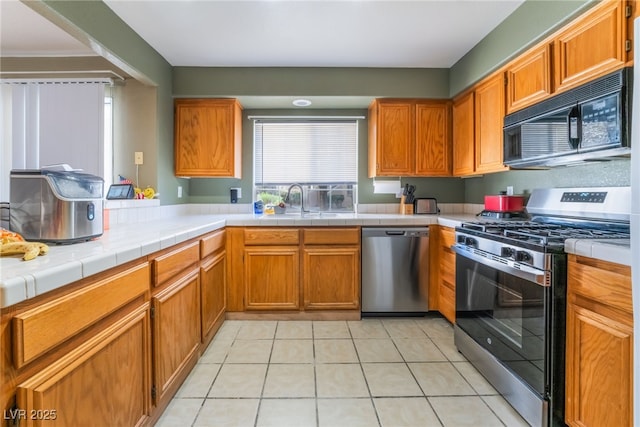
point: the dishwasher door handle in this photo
(395, 232)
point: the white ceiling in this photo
(296, 33)
(24, 33)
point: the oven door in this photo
(504, 310)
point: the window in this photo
(320, 154)
(52, 122)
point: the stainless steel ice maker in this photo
(56, 206)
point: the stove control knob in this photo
(460, 239)
(470, 241)
(507, 252)
(523, 256)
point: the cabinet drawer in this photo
(168, 265)
(447, 237)
(331, 236)
(601, 281)
(271, 236)
(212, 242)
(42, 328)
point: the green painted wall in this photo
(95, 23)
(530, 23)
(284, 81)
(608, 173)
(216, 190)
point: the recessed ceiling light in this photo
(301, 102)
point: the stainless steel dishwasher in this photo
(395, 270)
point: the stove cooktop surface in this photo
(537, 234)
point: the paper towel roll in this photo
(387, 187)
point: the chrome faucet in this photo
(286, 199)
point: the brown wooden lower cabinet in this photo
(271, 278)
(108, 377)
(176, 332)
(443, 271)
(599, 360)
(331, 278)
(213, 272)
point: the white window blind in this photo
(51, 122)
(306, 152)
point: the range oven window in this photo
(506, 315)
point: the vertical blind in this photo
(45, 123)
(307, 152)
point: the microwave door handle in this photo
(575, 127)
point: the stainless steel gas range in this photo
(511, 292)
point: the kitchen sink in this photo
(294, 215)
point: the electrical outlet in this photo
(137, 158)
(179, 192)
(238, 192)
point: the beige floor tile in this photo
(287, 413)
(419, 350)
(405, 412)
(292, 329)
(436, 327)
(340, 380)
(250, 351)
(440, 379)
(242, 380)
(335, 351)
(227, 413)
(475, 378)
(257, 330)
(403, 328)
(346, 413)
(199, 381)
(290, 380)
(180, 412)
(464, 411)
(217, 351)
(292, 351)
(449, 349)
(229, 329)
(331, 329)
(390, 379)
(377, 350)
(367, 328)
(504, 411)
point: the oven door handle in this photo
(528, 274)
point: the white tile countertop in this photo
(121, 243)
(612, 250)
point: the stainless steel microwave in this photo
(590, 122)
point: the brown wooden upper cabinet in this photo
(464, 135)
(208, 138)
(489, 122)
(529, 78)
(477, 132)
(593, 45)
(409, 137)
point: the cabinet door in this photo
(104, 382)
(598, 370)
(447, 282)
(208, 137)
(529, 78)
(489, 122)
(395, 133)
(433, 139)
(176, 330)
(213, 288)
(271, 278)
(591, 46)
(464, 135)
(331, 277)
